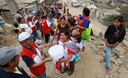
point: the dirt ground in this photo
(88, 66)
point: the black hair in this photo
(86, 11)
(78, 37)
(63, 18)
(16, 31)
(119, 18)
(72, 21)
(50, 15)
(16, 25)
(66, 33)
(43, 17)
(58, 15)
(51, 32)
(19, 20)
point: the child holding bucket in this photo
(69, 56)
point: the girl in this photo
(33, 27)
(45, 26)
(77, 40)
(69, 56)
(113, 36)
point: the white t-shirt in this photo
(26, 27)
(31, 24)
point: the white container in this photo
(56, 52)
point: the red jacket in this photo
(45, 28)
(33, 28)
(36, 71)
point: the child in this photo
(54, 42)
(84, 24)
(113, 36)
(77, 40)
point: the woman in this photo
(113, 36)
(69, 55)
(73, 30)
(45, 26)
(33, 27)
(62, 26)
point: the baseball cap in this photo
(8, 53)
(24, 36)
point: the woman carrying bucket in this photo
(69, 55)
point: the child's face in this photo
(22, 21)
(117, 23)
(75, 40)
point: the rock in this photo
(119, 62)
(101, 44)
(106, 76)
(125, 43)
(117, 54)
(118, 70)
(113, 60)
(97, 76)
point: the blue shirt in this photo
(86, 23)
(51, 21)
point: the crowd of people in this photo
(55, 29)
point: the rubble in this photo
(119, 58)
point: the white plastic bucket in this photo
(56, 52)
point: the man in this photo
(9, 60)
(32, 56)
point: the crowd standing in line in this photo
(56, 29)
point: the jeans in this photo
(43, 75)
(36, 36)
(108, 55)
